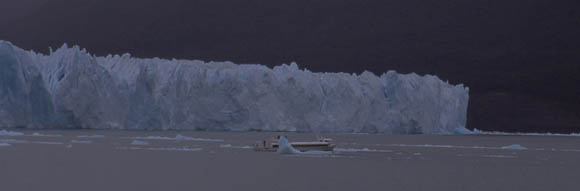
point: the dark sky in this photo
(520, 58)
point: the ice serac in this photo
(69, 88)
(24, 100)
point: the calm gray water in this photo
(173, 160)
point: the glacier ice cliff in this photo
(69, 88)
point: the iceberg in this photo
(284, 147)
(70, 88)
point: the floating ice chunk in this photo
(442, 146)
(129, 148)
(515, 147)
(81, 141)
(4, 144)
(461, 131)
(465, 131)
(161, 148)
(138, 142)
(17, 141)
(175, 149)
(316, 153)
(10, 133)
(226, 146)
(154, 138)
(91, 136)
(181, 137)
(487, 156)
(359, 150)
(351, 149)
(235, 147)
(45, 135)
(499, 156)
(46, 143)
(284, 147)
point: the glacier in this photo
(70, 88)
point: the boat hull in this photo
(297, 146)
(304, 148)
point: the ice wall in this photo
(72, 89)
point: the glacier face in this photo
(69, 88)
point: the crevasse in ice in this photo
(69, 88)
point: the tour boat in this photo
(322, 144)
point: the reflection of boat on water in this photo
(322, 144)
